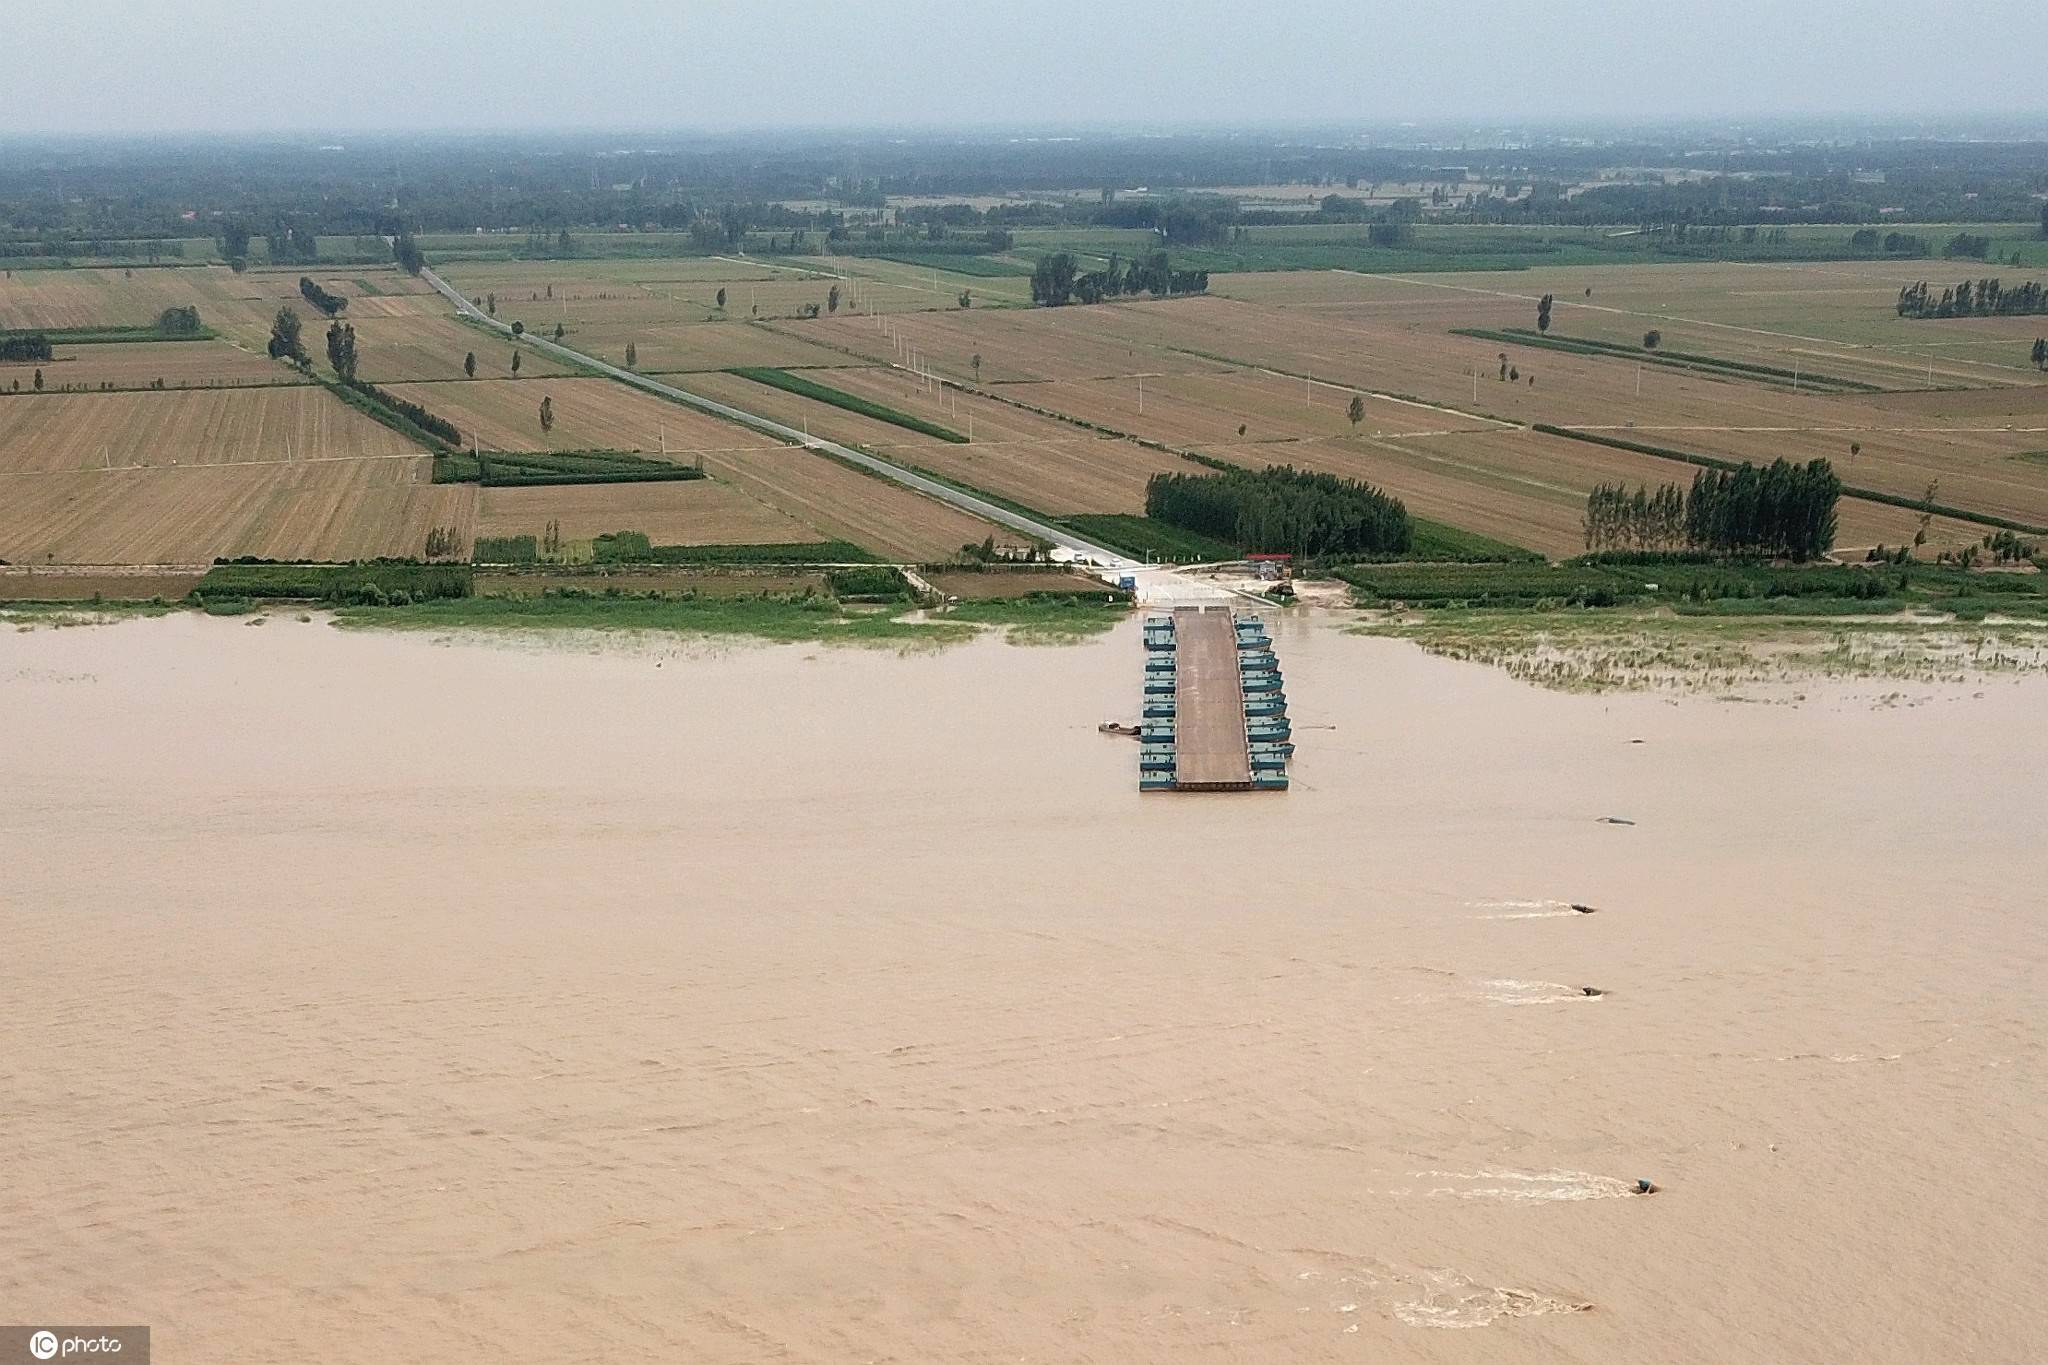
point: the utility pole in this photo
(1141, 395)
(1639, 379)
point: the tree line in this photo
(327, 303)
(1057, 279)
(1982, 299)
(25, 346)
(1783, 510)
(1283, 510)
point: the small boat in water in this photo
(1117, 727)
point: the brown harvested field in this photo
(692, 512)
(136, 365)
(644, 292)
(20, 583)
(1074, 472)
(1529, 488)
(113, 298)
(679, 348)
(187, 427)
(1040, 462)
(426, 347)
(1901, 454)
(590, 414)
(239, 306)
(809, 415)
(1015, 344)
(835, 501)
(1836, 316)
(843, 503)
(333, 509)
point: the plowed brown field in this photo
(590, 414)
(136, 365)
(186, 427)
(694, 512)
(335, 509)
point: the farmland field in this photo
(137, 365)
(590, 414)
(1261, 371)
(834, 501)
(186, 427)
(429, 347)
(697, 512)
(335, 509)
(843, 503)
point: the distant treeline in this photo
(327, 303)
(116, 197)
(1783, 511)
(28, 346)
(1983, 299)
(1057, 280)
(1283, 510)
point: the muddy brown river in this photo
(373, 997)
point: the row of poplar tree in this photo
(1783, 510)
(1983, 299)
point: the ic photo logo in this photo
(47, 1345)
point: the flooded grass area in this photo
(1750, 658)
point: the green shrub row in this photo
(368, 583)
(635, 547)
(520, 469)
(505, 549)
(877, 583)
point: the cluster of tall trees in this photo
(180, 321)
(406, 252)
(1282, 510)
(286, 341)
(1892, 243)
(1981, 299)
(1617, 520)
(25, 346)
(291, 246)
(327, 303)
(1783, 510)
(1543, 312)
(1057, 280)
(341, 351)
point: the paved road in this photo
(1002, 516)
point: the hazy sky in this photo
(177, 65)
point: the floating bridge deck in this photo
(1215, 714)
